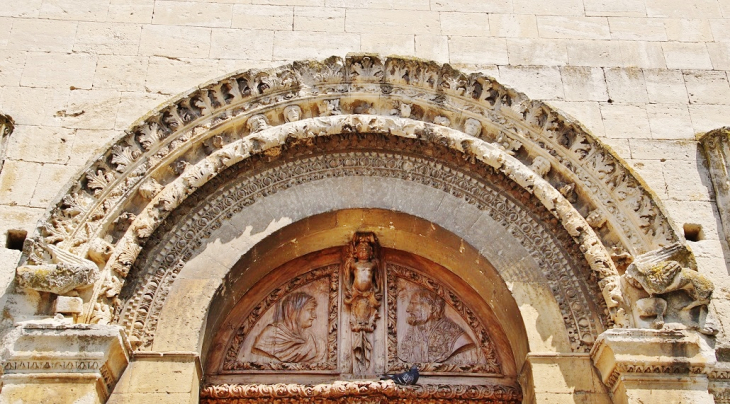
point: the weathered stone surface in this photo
(642, 76)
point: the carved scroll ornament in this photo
(360, 391)
(205, 116)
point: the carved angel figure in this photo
(432, 337)
(363, 293)
(287, 338)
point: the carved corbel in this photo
(662, 289)
(51, 269)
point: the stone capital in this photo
(650, 364)
(90, 357)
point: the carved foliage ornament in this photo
(509, 120)
(359, 391)
(551, 246)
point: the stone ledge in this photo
(81, 354)
(336, 391)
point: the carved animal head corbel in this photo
(56, 271)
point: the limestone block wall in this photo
(645, 76)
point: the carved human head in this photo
(541, 166)
(292, 113)
(257, 123)
(363, 251)
(405, 110)
(442, 120)
(472, 127)
(423, 307)
(297, 310)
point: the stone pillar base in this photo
(53, 363)
(654, 366)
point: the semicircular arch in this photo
(124, 195)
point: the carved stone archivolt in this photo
(162, 160)
(372, 156)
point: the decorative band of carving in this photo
(520, 213)
(335, 392)
(62, 366)
(232, 118)
(674, 369)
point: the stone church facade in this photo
(280, 201)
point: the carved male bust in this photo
(432, 337)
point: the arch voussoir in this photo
(122, 197)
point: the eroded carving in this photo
(662, 278)
(292, 113)
(65, 273)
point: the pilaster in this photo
(61, 363)
(657, 366)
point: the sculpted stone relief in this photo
(131, 189)
(661, 290)
(548, 243)
(425, 330)
(294, 328)
(363, 295)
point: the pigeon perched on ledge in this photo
(406, 378)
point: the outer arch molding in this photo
(123, 195)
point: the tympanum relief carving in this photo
(391, 317)
(294, 328)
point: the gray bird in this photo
(406, 378)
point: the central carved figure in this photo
(287, 338)
(432, 337)
(363, 293)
